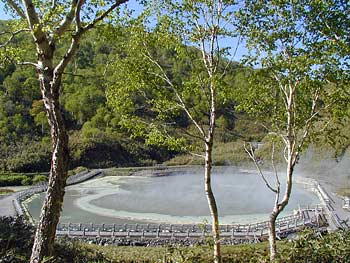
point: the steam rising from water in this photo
(241, 197)
(325, 168)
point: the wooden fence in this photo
(312, 217)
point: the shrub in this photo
(68, 250)
(16, 240)
(80, 169)
(39, 178)
(26, 181)
(311, 246)
(12, 180)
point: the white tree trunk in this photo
(51, 210)
(272, 235)
(211, 202)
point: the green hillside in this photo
(96, 137)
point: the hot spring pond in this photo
(241, 196)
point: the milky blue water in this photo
(178, 198)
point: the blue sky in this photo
(3, 16)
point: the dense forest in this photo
(96, 137)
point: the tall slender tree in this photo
(293, 84)
(49, 23)
(192, 32)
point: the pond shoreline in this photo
(249, 174)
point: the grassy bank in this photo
(310, 246)
(239, 253)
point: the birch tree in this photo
(49, 23)
(192, 32)
(292, 86)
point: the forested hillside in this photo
(96, 137)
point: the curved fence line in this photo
(312, 217)
(328, 203)
(256, 231)
(42, 187)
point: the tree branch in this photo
(179, 98)
(17, 8)
(104, 14)
(13, 34)
(313, 114)
(77, 15)
(197, 155)
(32, 17)
(64, 25)
(59, 69)
(252, 157)
(192, 135)
(278, 183)
(30, 64)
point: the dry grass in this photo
(5, 191)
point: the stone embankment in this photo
(154, 242)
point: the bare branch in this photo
(104, 14)
(77, 14)
(32, 17)
(285, 153)
(59, 69)
(238, 42)
(202, 46)
(29, 64)
(178, 96)
(278, 183)
(17, 8)
(64, 25)
(191, 134)
(308, 122)
(197, 155)
(13, 34)
(250, 152)
(79, 32)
